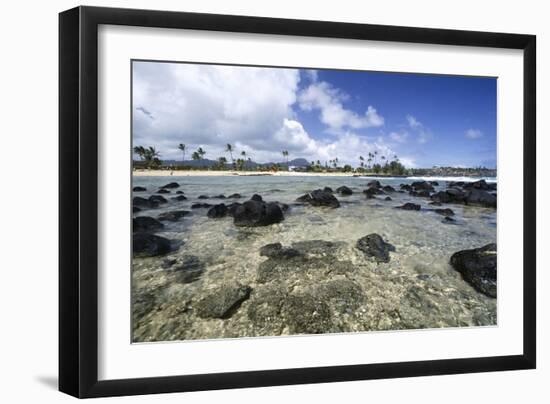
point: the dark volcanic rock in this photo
(179, 192)
(318, 247)
(235, 196)
(179, 198)
(422, 185)
(444, 212)
(409, 206)
(203, 197)
(422, 193)
(217, 211)
(200, 205)
(254, 213)
(374, 246)
(343, 190)
(405, 187)
(434, 183)
(139, 189)
(433, 203)
(371, 192)
(135, 209)
(221, 196)
(481, 184)
(146, 223)
(328, 189)
(307, 314)
(388, 188)
(387, 198)
(158, 199)
(144, 203)
(231, 208)
(479, 268)
(478, 197)
(448, 220)
(171, 185)
(163, 191)
(276, 250)
(374, 184)
(149, 245)
(190, 269)
(173, 216)
(256, 198)
(320, 198)
(223, 302)
(453, 184)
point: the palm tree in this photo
(196, 156)
(182, 148)
(222, 161)
(140, 151)
(201, 152)
(229, 148)
(375, 154)
(285, 154)
(361, 159)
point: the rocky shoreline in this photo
(309, 286)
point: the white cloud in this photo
(329, 101)
(413, 122)
(423, 135)
(399, 137)
(473, 133)
(251, 108)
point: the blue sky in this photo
(426, 120)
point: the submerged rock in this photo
(481, 198)
(135, 209)
(223, 302)
(374, 184)
(478, 267)
(203, 197)
(217, 211)
(189, 270)
(235, 196)
(220, 196)
(320, 197)
(256, 198)
(179, 198)
(173, 216)
(343, 190)
(388, 188)
(158, 199)
(171, 185)
(448, 220)
(276, 250)
(145, 203)
(163, 191)
(139, 189)
(374, 246)
(180, 192)
(444, 212)
(146, 223)
(328, 189)
(149, 245)
(255, 213)
(387, 198)
(409, 206)
(200, 205)
(422, 185)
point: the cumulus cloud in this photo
(329, 100)
(399, 137)
(251, 108)
(423, 134)
(473, 133)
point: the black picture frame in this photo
(78, 206)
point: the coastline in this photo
(212, 173)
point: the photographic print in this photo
(270, 201)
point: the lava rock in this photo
(144, 203)
(478, 267)
(256, 198)
(179, 198)
(320, 198)
(135, 209)
(343, 190)
(200, 205)
(480, 198)
(158, 199)
(217, 211)
(387, 198)
(444, 212)
(374, 246)
(221, 196)
(374, 184)
(146, 224)
(163, 191)
(409, 206)
(388, 188)
(139, 189)
(448, 220)
(171, 185)
(223, 302)
(235, 196)
(172, 216)
(149, 245)
(276, 250)
(203, 197)
(422, 185)
(255, 213)
(180, 192)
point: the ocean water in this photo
(416, 289)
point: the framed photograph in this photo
(251, 201)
